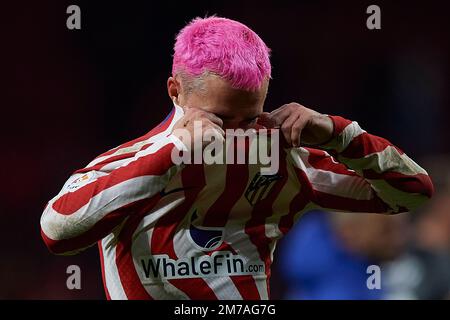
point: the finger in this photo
(219, 129)
(278, 116)
(207, 124)
(296, 131)
(284, 108)
(265, 120)
(277, 110)
(286, 127)
(213, 134)
(213, 118)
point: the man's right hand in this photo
(204, 123)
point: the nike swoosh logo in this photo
(164, 193)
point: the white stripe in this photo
(112, 278)
(348, 134)
(339, 184)
(236, 236)
(387, 160)
(57, 226)
(396, 198)
(329, 182)
(342, 141)
(138, 145)
(142, 241)
(223, 287)
(281, 205)
(142, 247)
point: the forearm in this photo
(397, 179)
(83, 213)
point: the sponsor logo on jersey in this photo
(199, 264)
(206, 238)
(158, 268)
(81, 181)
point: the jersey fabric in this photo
(167, 231)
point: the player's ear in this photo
(173, 88)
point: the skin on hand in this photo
(208, 120)
(222, 107)
(299, 124)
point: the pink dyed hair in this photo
(224, 47)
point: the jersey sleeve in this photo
(360, 172)
(98, 198)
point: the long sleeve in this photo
(360, 172)
(118, 183)
(98, 198)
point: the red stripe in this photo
(224, 246)
(111, 159)
(166, 227)
(418, 183)
(153, 164)
(255, 226)
(102, 264)
(329, 201)
(339, 124)
(158, 129)
(195, 288)
(298, 203)
(366, 144)
(319, 160)
(129, 278)
(217, 215)
(99, 166)
(245, 284)
(100, 230)
(235, 184)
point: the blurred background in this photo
(68, 95)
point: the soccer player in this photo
(195, 231)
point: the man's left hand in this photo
(299, 124)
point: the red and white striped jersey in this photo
(169, 231)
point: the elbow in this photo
(410, 195)
(421, 184)
(57, 247)
(428, 187)
(423, 193)
(424, 188)
(54, 233)
(420, 189)
(51, 244)
(418, 184)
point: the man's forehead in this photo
(222, 89)
(229, 103)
